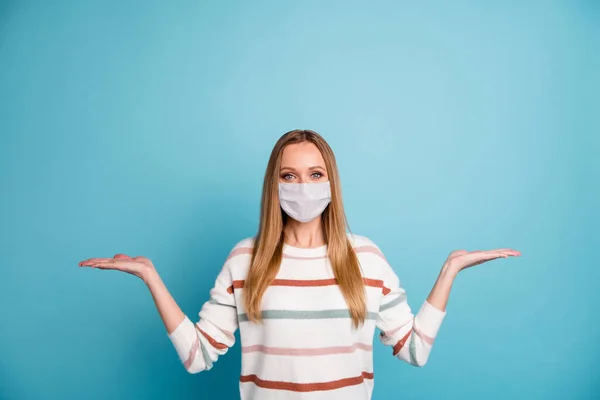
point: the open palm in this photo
(461, 259)
(137, 266)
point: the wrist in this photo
(149, 275)
(449, 269)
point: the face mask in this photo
(304, 201)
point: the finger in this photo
(122, 256)
(507, 254)
(484, 260)
(483, 256)
(492, 255)
(97, 259)
(93, 260)
(101, 264)
(121, 265)
(507, 251)
(504, 252)
(114, 264)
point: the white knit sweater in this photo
(307, 348)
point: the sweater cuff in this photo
(429, 319)
(183, 338)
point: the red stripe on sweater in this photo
(211, 340)
(306, 387)
(401, 343)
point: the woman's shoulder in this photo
(237, 261)
(240, 253)
(361, 242)
(370, 255)
(246, 243)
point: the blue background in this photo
(145, 128)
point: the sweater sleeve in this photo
(199, 344)
(411, 336)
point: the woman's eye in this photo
(317, 175)
(287, 177)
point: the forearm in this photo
(438, 297)
(169, 311)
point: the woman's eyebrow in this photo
(292, 169)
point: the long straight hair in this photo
(267, 252)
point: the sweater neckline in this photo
(304, 251)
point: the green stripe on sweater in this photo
(206, 356)
(412, 348)
(393, 303)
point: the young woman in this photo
(305, 294)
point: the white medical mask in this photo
(304, 201)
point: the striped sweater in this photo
(306, 348)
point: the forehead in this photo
(304, 154)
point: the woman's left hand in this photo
(462, 259)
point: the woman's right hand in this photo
(138, 266)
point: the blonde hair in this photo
(268, 245)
